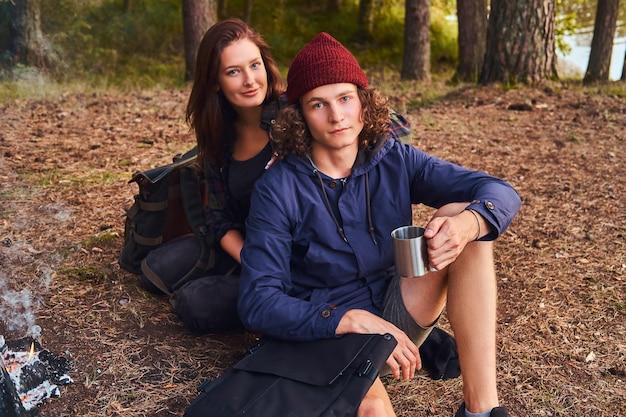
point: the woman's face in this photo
(243, 77)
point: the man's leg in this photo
(470, 287)
(376, 402)
(472, 313)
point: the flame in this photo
(32, 351)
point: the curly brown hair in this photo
(291, 134)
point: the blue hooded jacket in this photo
(311, 255)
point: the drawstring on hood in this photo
(332, 213)
(369, 208)
(330, 210)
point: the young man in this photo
(318, 257)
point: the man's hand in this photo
(404, 359)
(447, 237)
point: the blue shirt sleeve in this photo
(436, 182)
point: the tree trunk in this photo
(25, 45)
(602, 43)
(472, 40)
(520, 42)
(366, 20)
(247, 17)
(222, 9)
(198, 17)
(416, 59)
(333, 6)
(624, 69)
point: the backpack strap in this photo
(193, 205)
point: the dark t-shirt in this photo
(243, 174)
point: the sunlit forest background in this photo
(139, 43)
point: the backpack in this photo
(319, 378)
(169, 204)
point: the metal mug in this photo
(410, 250)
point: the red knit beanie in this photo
(322, 61)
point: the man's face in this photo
(333, 114)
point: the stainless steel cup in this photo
(410, 249)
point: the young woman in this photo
(235, 95)
(318, 257)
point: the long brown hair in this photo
(290, 133)
(209, 114)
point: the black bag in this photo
(326, 378)
(439, 354)
(209, 304)
(169, 204)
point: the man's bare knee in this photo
(376, 402)
(372, 406)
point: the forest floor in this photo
(64, 169)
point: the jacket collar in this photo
(365, 160)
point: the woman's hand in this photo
(404, 359)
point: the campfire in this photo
(29, 375)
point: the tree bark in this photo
(520, 42)
(472, 40)
(416, 59)
(25, 45)
(198, 17)
(624, 69)
(602, 44)
(366, 20)
(333, 6)
(222, 9)
(247, 16)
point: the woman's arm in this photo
(218, 215)
(232, 243)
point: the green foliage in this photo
(615, 89)
(448, 7)
(444, 34)
(291, 25)
(565, 25)
(290, 28)
(388, 43)
(574, 138)
(102, 42)
(577, 17)
(85, 273)
(106, 238)
(568, 21)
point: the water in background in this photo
(578, 59)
